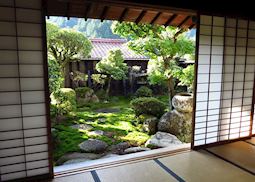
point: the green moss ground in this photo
(122, 125)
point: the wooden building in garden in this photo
(100, 49)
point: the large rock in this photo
(85, 95)
(162, 139)
(150, 125)
(82, 127)
(178, 124)
(183, 102)
(93, 145)
(74, 157)
(136, 149)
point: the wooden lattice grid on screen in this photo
(225, 79)
(24, 112)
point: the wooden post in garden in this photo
(89, 79)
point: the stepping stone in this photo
(82, 127)
(108, 110)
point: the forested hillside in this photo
(92, 28)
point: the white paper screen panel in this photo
(225, 77)
(23, 118)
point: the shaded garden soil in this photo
(118, 126)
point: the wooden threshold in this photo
(73, 169)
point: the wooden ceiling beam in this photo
(145, 6)
(155, 18)
(123, 15)
(170, 19)
(140, 17)
(67, 10)
(192, 26)
(87, 9)
(104, 12)
(184, 21)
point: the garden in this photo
(90, 123)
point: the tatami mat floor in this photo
(233, 162)
(241, 154)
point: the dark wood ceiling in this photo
(121, 11)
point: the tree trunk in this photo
(63, 74)
(171, 91)
(108, 86)
(170, 82)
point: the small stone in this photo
(136, 149)
(82, 127)
(162, 139)
(97, 133)
(109, 134)
(101, 120)
(93, 145)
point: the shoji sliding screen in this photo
(23, 112)
(225, 77)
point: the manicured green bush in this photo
(63, 101)
(143, 91)
(55, 77)
(148, 105)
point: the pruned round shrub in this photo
(143, 91)
(63, 101)
(148, 105)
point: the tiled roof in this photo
(101, 48)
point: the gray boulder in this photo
(76, 157)
(93, 146)
(183, 102)
(136, 149)
(178, 124)
(162, 139)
